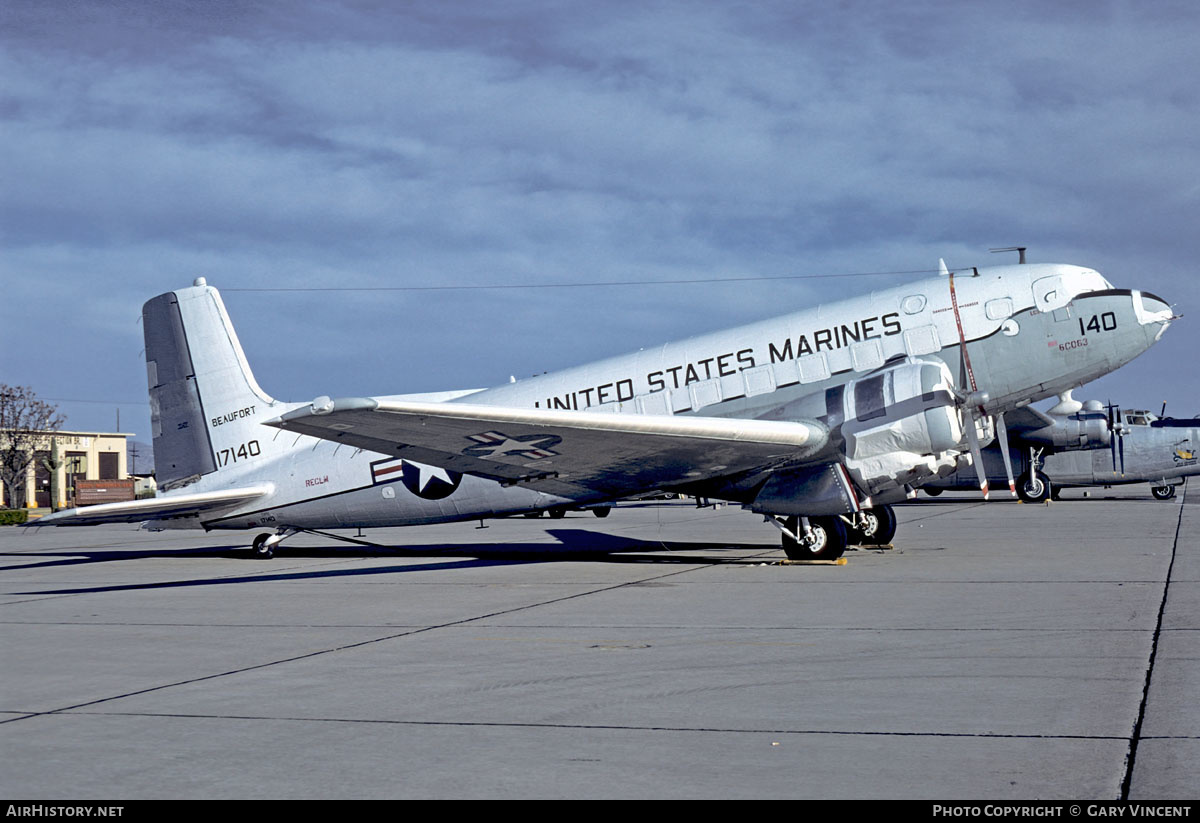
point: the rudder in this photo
(203, 396)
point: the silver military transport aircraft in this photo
(819, 420)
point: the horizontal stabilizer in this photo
(561, 452)
(154, 508)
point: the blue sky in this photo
(363, 144)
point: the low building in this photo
(81, 456)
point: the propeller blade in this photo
(976, 454)
(1002, 442)
(1121, 438)
(1112, 435)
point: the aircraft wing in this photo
(567, 453)
(153, 508)
(1026, 419)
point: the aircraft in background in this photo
(1090, 446)
(819, 420)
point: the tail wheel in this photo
(1162, 492)
(876, 527)
(826, 540)
(260, 547)
(1034, 487)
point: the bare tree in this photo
(24, 420)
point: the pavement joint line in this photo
(591, 726)
(347, 646)
(949, 510)
(608, 627)
(1135, 737)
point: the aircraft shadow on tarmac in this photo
(575, 545)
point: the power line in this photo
(591, 284)
(98, 402)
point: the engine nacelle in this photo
(897, 426)
(901, 425)
(909, 408)
(1085, 430)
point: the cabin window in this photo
(866, 356)
(922, 340)
(758, 380)
(813, 368)
(706, 393)
(999, 309)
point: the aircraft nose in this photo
(1152, 309)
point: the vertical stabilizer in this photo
(204, 401)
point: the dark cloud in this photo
(383, 144)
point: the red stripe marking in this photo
(850, 486)
(962, 338)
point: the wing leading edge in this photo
(560, 452)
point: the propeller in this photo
(972, 402)
(1002, 441)
(973, 415)
(975, 418)
(1116, 442)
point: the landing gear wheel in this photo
(876, 527)
(932, 491)
(558, 514)
(827, 541)
(1033, 488)
(602, 511)
(1162, 492)
(260, 547)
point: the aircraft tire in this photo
(933, 491)
(879, 531)
(261, 550)
(1033, 488)
(558, 514)
(830, 543)
(1162, 492)
(602, 511)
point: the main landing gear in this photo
(1033, 487)
(1162, 492)
(872, 527)
(826, 537)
